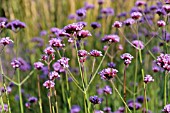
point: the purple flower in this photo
(148, 78)
(123, 14)
(81, 12)
(63, 62)
(166, 108)
(95, 25)
(38, 65)
(111, 64)
(6, 41)
(140, 99)
(167, 1)
(107, 11)
(15, 25)
(24, 66)
(43, 33)
(98, 111)
(57, 67)
(107, 90)
(49, 50)
(95, 100)
(88, 6)
(54, 75)
(75, 109)
(117, 24)
(100, 2)
(32, 99)
(56, 42)
(49, 84)
(127, 58)
(129, 21)
(3, 19)
(111, 38)
(140, 2)
(138, 44)
(166, 7)
(108, 73)
(39, 41)
(161, 11)
(164, 61)
(161, 23)
(71, 28)
(136, 15)
(134, 105)
(82, 53)
(2, 25)
(5, 108)
(54, 30)
(83, 34)
(107, 110)
(27, 105)
(96, 53)
(16, 64)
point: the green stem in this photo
(97, 70)
(20, 92)
(165, 87)
(124, 86)
(120, 96)
(27, 77)
(39, 94)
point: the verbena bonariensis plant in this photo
(106, 63)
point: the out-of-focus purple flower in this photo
(71, 28)
(98, 111)
(136, 15)
(161, 11)
(107, 11)
(82, 53)
(8, 90)
(134, 105)
(100, 2)
(108, 73)
(155, 67)
(148, 78)
(99, 91)
(24, 66)
(138, 44)
(107, 109)
(156, 49)
(6, 41)
(81, 12)
(5, 108)
(75, 109)
(39, 41)
(38, 65)
(166, 7)
(96, 53)
(32, 100)
(84, 24)
(72, 16)
(111, 38)
(167, 1)
(49, 50)
(111, 64)
(63, 62)
(164, 61)
(117, 24)
(49, 84)
(54, 30)
(95, 25)
(153, 8)
(129, 21)
(3, 19)
(140, 99)
(161, 23)
(88, 6)
(56, 42)
(83, 34)
(43, 33)
(57, 67)
(120, 47)
(2, 25)
(27, 105)
(140, 2)
(15, 25)
(54, 75)
(127, 57)
(107, 90)
(123, 14)
(16, 64)
(166, 108)
(95, 100)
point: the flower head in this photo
(32, 99)
(63, 62)
(127, 58)
(164, 61)
(136, 15)
(6, 41)
(161, 23)
(140, 2)
(108, 73)
(166, 108)
(117, 24)
(56, 42)
(95, 25)
(81, 12)
(138, 44)
(82, 53)
(83, 34)
(107, 90)
(148, 78)
(16, 64)
(71, 28)
(38, 65)
(75, 109)
(129, 21)
(95, 100)
(54, 75)
(49, 84)
(134, 105)
(15, 25)
(111, 38)
(49, 50)
(96, 53)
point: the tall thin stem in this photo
(124, 86)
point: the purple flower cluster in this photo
(108, 73)
(111, 38)
(6, 41)
(164, 61)
(95, 100)
(127, 58)
(148, 78)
